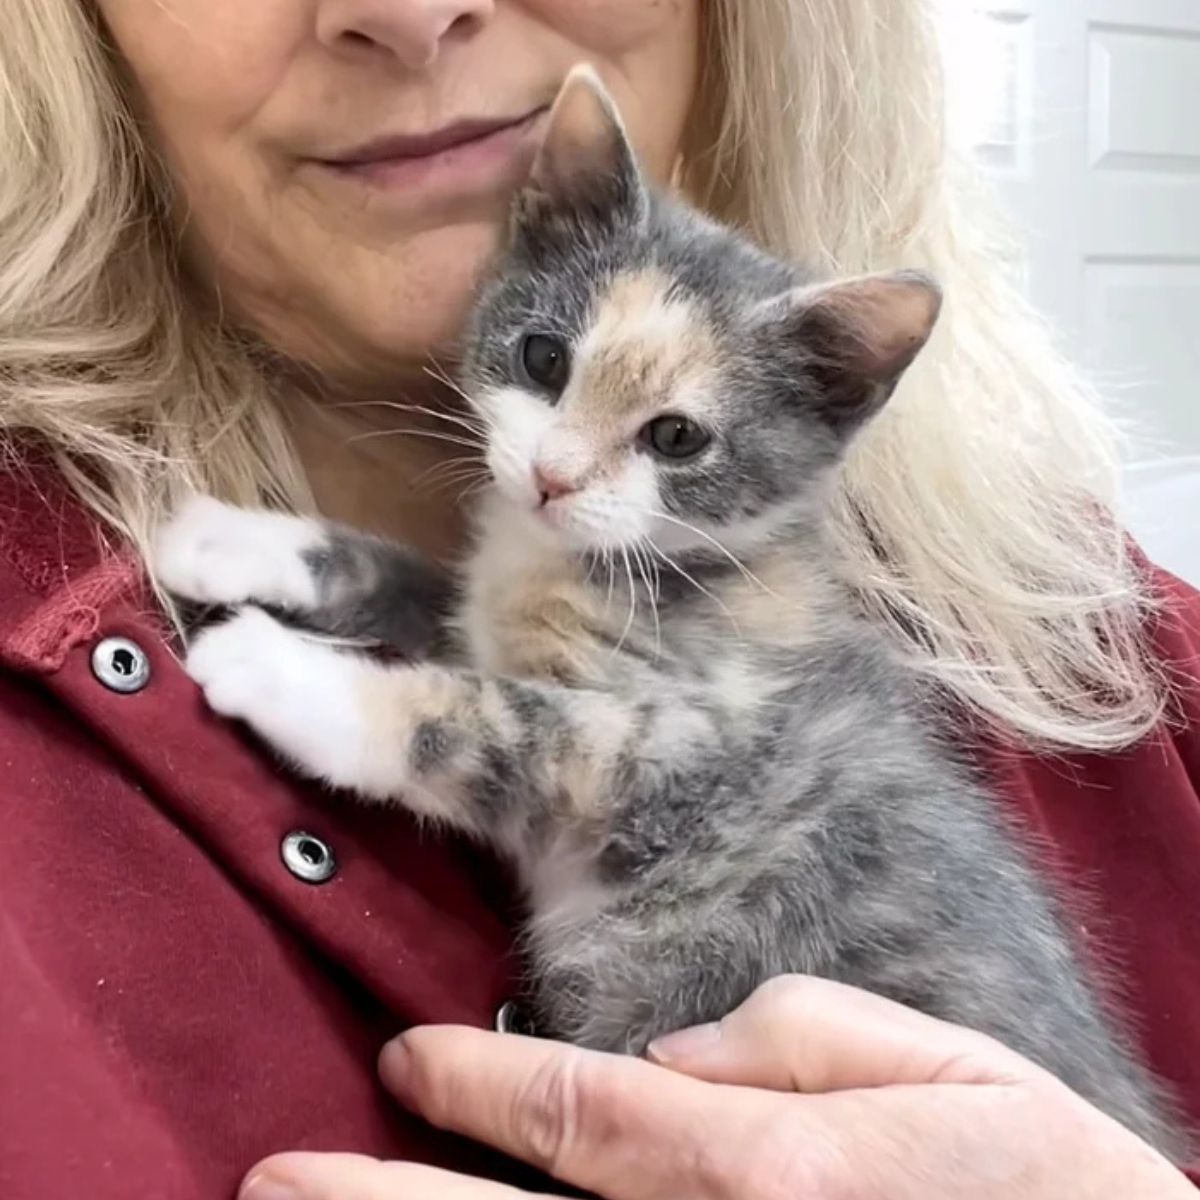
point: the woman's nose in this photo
(412, 31)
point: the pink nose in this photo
(551, 486)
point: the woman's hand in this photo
(809, 1091)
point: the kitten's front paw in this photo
(247, 667)
(299, 695)
(215, 553)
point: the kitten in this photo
(650, 691)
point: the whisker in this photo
(436, 372)
(480, 485)
(463, 475)
(593, 561)
(642, 558)
(473, 423)
(695, 583)
(463, 466)
(452, 482)
(737, 562)
(632, 602)
(652, 563)
(444, 466)
(426, 433)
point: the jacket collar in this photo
(58, 569)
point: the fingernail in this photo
(695, 1042)
(267, 1187)
(394, 1065)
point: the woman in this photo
(231, 236)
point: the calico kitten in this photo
(650, 690)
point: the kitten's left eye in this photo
(674, 437)
(546, 360)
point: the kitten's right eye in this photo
(674, 437)
(546, 361)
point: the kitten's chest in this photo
(532, 610)
(528, 611)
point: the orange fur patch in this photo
(645, 347)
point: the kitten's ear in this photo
(585, 168)
(859, 336)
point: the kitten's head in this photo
(649, 377)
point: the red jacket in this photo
(175, 1004)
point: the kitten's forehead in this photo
(647, 343)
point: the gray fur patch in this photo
(433, 745)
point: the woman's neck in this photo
(385, 465)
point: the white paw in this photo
(247, 666)
(299, 695)
(215, 553)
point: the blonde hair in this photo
(975, 515)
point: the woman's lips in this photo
(458, 156)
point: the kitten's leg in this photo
(505, 760)
(329, 577)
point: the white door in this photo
(1092, 135)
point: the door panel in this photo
(1094, 147)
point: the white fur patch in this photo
(612, 514)
(218, 554)
(606, 514)
(517, 424)
(301, 696)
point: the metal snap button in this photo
(512, 1018)
(121, 665)
(308, 857)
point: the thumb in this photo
(803, 1034)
